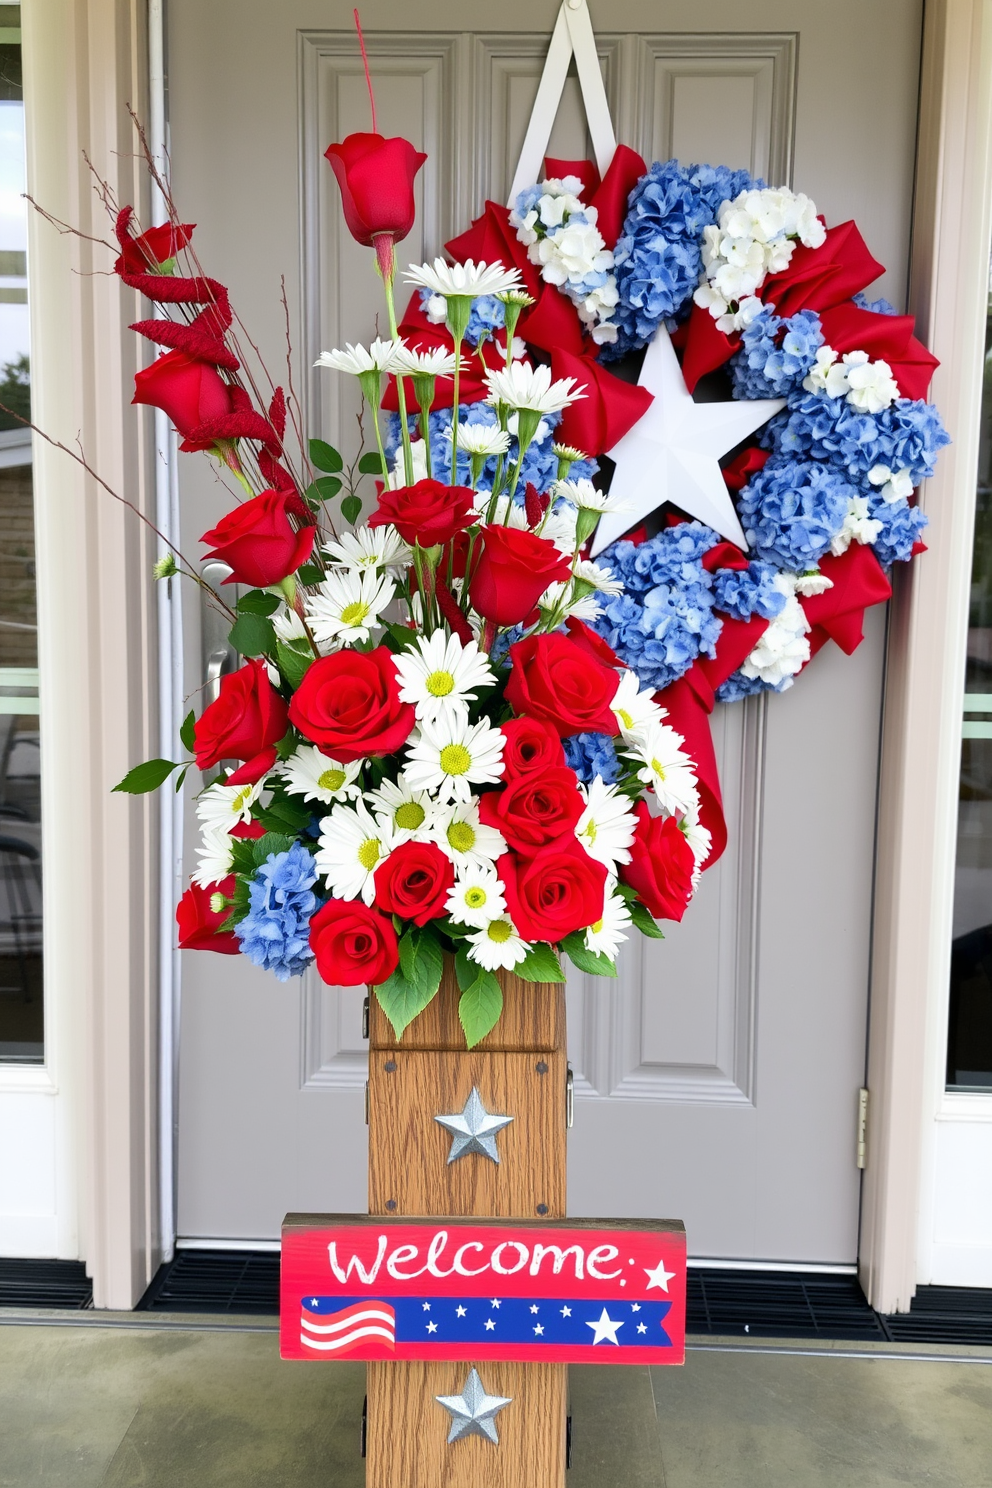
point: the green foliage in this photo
(15, 392)
(284, 813)
(252, 635)
(586, 960)
(292, 663)
(371, 464)
(351, 506)
(272, 842)
(310, 573)
(258, 602)
(644, 921)
(325, 456)
(146, 777)
(540, 965)
(324, 488)
(479, 1007)
(187, 733)
(415, 981)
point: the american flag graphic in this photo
(339, 1330)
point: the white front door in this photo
(718, 1080)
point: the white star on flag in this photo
(659, 1277)
(605, 1328)
(672, 453)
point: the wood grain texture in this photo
(533, 1018)
(407, 1443)
(409, 1172)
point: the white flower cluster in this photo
(754, 236)
(562, 238)
(783, 649)
(868, 386)
(858, 527)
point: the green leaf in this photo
(540, 964)
(243, 855)
(146, 777)
(402, 636)
(258, 602)
(310, 573)
(350, 507)
(644, 921)
(282, 812)
(586, 960)
(324, 488)
(403, 996)
(252, 635)
(272, 842)
(325, 456)
(466, 971)
(181, 777)
(371, 464)
(287, 745)
(187, 733)
(479, 1007)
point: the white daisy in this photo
(582, 493)
(408, 814)
(559, 527)
(497, 947)
(434, 363)
(449, 755)
(507, 513)
(606, 936)
(635, 710)
(469, 279)
(477, 898)
(482, 439)
(561, 598)
(221, 807)
(698, 837)
(665, 767)
(523, 386)
(288, 626)
(347, 605)
(215, 855)
(379, 357)
(352, 844)
(370, 547)
(599, 577)
(606, 826)
(317, 777)
(463, 838)
(439, 674)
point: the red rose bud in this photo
(191, 392)
(258, 541)
(354, 946)
(534, 809)
(554, 893)
(661, 865)
(427, 513)
(159, 245)
(247, 720)
(414, 882)
(556, 680)
(530, 745)
(199, 925)
(376, 178)
(513, 572)
(349, 705)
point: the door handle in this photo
(219, 656)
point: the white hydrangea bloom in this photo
(893, 485)
(783, 649)
(858, 527)
(754, 236)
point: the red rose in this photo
(427, 513)
(559, 890)
(199, 925)
(191, 392)
(534, 809)
(513, 571)
(661, 865)
(376, 178)
(530, 745)
(559, 681)
(353, 945)
(414, 881)
(349, 705)
(589, 641)
(147, 253)
(245, 723)
(258, 540)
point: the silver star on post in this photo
(672, 453)
(473, 1129)
(473, 1410)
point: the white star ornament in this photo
(659, 1277)
(673, 451)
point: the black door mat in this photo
(779, 1304)
(240, 1281)
(941, 1314)
(45, 1284)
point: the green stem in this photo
(454, 411)
(387, 284)
(425, 434)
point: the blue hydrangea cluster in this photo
(737, 687)
(658, 256)
(665, 618)
(275, 933)
(902, 526)
(745, 592)
(879, 307)
(792, 509)
(590, 755)
(486, 318)
(540, 465)
(907, 436)
(776, 354)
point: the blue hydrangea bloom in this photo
(486, 317)
(776, 354)
(658, 256)
(902, 525)
(880, 307)
(906, 436)
(737, 686)
(540, 463)
(665, 617)
(792, 509)
(749, 591)
(276, 931)
(590, 755)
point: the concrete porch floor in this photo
(207, 1403)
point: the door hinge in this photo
(365, 1019)
(862, 1150)
(569, 1099)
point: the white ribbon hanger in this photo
(572, 36)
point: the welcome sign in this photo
(573, 1293)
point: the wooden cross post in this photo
(519, 1070)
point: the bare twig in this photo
(65, 228)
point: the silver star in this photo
(473, 1129)
(672, 452)
(473, 1410)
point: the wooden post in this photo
(519, 1070)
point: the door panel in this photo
(717, 1080)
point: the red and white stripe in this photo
(342, 1329)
